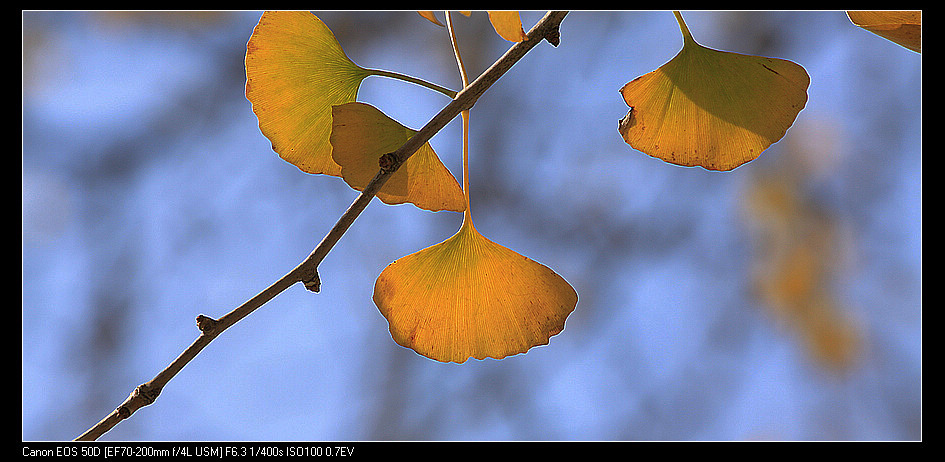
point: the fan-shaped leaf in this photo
(361, 134)
(508, 24)
(902, 27)
(295, 72)
(470, 297)
(711, 108)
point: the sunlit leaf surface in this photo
(902, 27)
(711, 108)
(361, 134)
(508, 24)
(470, 297)
(295, 72)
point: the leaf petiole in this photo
(465, 116)
(406, 78)
(687, 36)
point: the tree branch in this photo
(306, 272)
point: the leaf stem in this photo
(467, 218)
(459, 58)
(413, 80)
(687, 36)
(306, 271)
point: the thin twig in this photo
(413, 80)
(306, 272)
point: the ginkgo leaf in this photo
(508, 24)
(429, 15)
(901, 27)
(711, 108)
(470, 297)
(361, 134)
(295, 72)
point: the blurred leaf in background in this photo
(801, 250)
(150, 195)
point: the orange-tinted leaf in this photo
(361, 134)
(901, 27)
(508, 24)
(798, 251)
(831, 338)
(429, 15)
(295, 72)
(470, 297)
(711, 108)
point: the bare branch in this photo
(306, 272)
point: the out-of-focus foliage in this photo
(799, 254)
(145, 181)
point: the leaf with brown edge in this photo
(901, 27)
(361, 134)
(295, 72)
(508, 24)
(470, 297)
(710, 108)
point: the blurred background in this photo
(778, 301)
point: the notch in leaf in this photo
(711, 108)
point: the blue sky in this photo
(150, 196)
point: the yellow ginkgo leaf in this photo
(295, 72)
(710, 108)
(508, 24)
(470, 297)
(901, 27)
(429, 16)
(361, 134)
